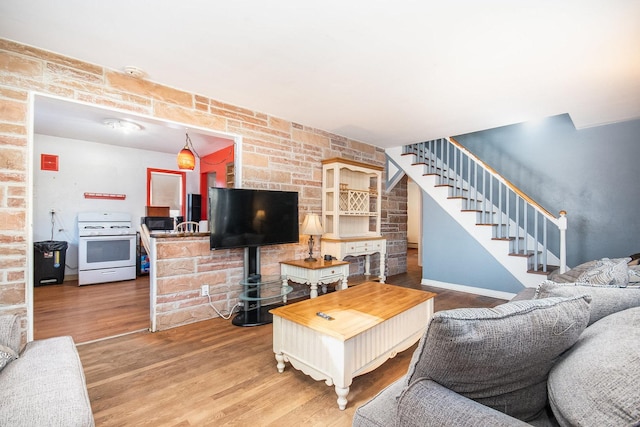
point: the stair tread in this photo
(523, 253)
(550, 269)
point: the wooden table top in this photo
(314, 265)
(354, 310)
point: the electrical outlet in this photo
(204, 290)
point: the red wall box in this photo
(49, 162)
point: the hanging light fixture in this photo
(187, 156)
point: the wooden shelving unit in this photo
(351, 204)
(351, 210)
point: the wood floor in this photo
(212, 373)
(91, 312)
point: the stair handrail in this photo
(560, 221)
(506, 182)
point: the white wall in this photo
(92, 168)
(414, 216)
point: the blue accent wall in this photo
(592, 173)
(451, 255)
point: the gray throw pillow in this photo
(573, 274)
(607, 272)
(500, 357)
(604, 300)
(6, 355)
(634, 275)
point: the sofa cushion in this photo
(596, 382)
(604, 300)
(6, 355)
(572, 274)
(427, 403)
(607, 272)
(10, 331)
(500, 357)
(381, 410)
(45, 387)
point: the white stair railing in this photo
(532, 231)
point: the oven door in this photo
(96, 252)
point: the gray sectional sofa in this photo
(564, 354)
(42, 384)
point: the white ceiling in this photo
(383, 72)
(66, 119)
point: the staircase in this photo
(514, 229)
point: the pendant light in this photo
(186, 157)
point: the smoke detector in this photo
(136, 72)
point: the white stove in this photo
(104, 224)
(106, 247)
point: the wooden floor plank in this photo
(213, 373)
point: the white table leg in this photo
(280, 364)
(285, 283)
(342, 396)
(344, 283)
(314, 290)
(367, 264)
(382, 268)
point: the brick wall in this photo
(277, 154)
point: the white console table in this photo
(367, 246)
(314, 273)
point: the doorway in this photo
(85, 142)
(414, 220)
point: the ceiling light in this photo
(135, 72)
(122, 125)
(187, 156)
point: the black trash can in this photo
(48, 262)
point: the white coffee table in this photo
(371, 323)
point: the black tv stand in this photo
(256, 317)
(258, 289)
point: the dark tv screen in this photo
(240, 217)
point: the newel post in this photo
(562, 226)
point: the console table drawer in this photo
(363, 247)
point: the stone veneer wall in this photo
(277, 154)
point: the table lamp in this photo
(311, 226)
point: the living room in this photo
(280, 153)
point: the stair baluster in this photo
(516, 218)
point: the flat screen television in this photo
(240, 217)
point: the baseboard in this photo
(469, 289)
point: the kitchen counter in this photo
(166, 234)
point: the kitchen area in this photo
(92, 186)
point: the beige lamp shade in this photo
(311, 225)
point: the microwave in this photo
(158, 222)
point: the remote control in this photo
(324, 315)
